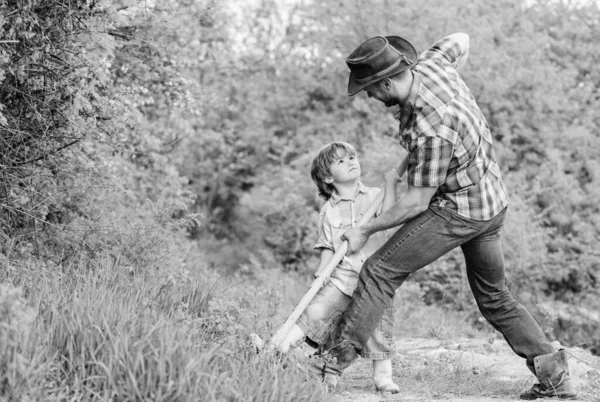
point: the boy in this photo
(336, 172)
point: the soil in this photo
(461, 370)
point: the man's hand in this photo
(392, 177)
(356, 237)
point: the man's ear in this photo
(386, 84)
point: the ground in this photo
(461, 370)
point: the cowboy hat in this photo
(378, 58)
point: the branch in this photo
(18, 210)
(45, 155)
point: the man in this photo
(456, 197)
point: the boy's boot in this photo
(382, 376)
(552, 371)
(330, 381)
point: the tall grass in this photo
(102, 332)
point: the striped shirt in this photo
(339, 215)
(448, 139)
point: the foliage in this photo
(125, 124)
(53, 101)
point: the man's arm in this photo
(454, 48)
(415, 202)
(463, 41)
(391, 179)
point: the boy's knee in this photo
(314, 313)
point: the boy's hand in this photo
(356, 237)
(325, 279)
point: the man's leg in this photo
(416, 244)
(485, 271)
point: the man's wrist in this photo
(367, 230)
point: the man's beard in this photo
(388, 101)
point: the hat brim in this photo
(401, 45)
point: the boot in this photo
(382, 376)
(552, 371)
(330, 363)
(330, 382)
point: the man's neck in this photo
(403, 87)
(346, 191)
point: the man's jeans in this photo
(324, 311)
(419, 242)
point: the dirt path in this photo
(461, 370)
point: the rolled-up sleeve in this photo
(446, 48)
(429, 161)
(325, 239)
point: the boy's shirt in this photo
(337, 216)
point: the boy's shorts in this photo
(324, 312)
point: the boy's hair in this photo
(321, 165)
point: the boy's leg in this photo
(382, 376)
(323, 313)
(320, 317)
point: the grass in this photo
(101, 332)
(108, 334)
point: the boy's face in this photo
(344, 169)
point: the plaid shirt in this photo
(339, 215)
(448, 139)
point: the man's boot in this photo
(552, 371)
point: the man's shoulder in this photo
(437, 80)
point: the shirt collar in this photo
(406, 110)
(335, 198)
